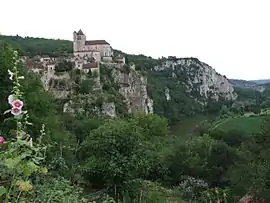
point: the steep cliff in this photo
(121, 90)
(131, 84)
(183, 86)
(201, 81)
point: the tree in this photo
(202, 157)
(115, 152)
(63, 66)
(224, 110)
(152, 125)
(86, 86)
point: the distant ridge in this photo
(261, 82)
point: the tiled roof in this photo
(87, 51)
(32, 64)
(96, 42)
(90, 65)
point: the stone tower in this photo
(78, 41)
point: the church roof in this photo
(96, 42)
(90, 65)
(80, 32)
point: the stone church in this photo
(99, 50)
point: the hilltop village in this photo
(88, 58)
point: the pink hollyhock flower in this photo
(16, 111)
(10, 99)
(2, 140)
(17, 104)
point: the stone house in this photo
(120, 59)
(95, 70)
(34, 66)
(93, 67)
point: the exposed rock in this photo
(60, 94)
(68, 108)
(133, 86)
(250, 199)
(198, 77)
(83, 105)
(167, 94)
(108, 109)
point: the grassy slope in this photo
(247, 124)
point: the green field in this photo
(247, 124)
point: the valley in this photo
(106, 126)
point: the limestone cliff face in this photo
(122, 90)
(59, 84)
(201, 81)
(133, 86)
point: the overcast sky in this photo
(233, 36)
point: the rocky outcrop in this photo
(201, 81)
(87, 105)
(167, 94)
(250, 199)
(108, 109)
(133, 86)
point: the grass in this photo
(189, 125)
(249, 125)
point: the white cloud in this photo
(230, 35)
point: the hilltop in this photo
(32, 46)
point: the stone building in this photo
(120, 59)
(98, 49)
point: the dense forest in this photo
(38, 46)
(50, 156)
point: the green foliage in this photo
(6, 84)
(150, 192)
(20, 158)
(234, 137)
(111, 89)
(152, 125)
(86, 86)
(23, 159)
(135, 157)
(124, 150)
(249, 125)
(55, 190)
(94, 74)
(251, 172)
(38, 46)
(63, 66)
(113, 152)
(202, 157)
